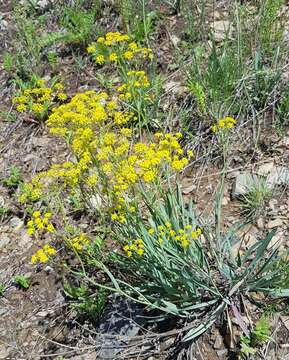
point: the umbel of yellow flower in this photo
(166, 233)
(115, 46)
(43, 255)
(226, 123)
(39, 99)
(40, 223)
(135, 247)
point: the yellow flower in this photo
(36, 214)
(21, 108)
(151, 231)
(30, 231)
(99, 59)
(128, 55)
(140, 251)
(58, 86)
(113, 57)
(100, 40)
(38, 108)
(61, 96)
(91, 49)
(50, 228)
(114, 216)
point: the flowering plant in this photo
(39, 98)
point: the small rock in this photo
(274, 223)
(220, 28)
(29, 157)
(2, 201)
(189, 189)
(249, 239)
(243, 183)
(4, 240)
(25, 240)
(276, 240)
(16, 223)
(261, 223)
(4, 352)
(265, 169)
(95, 201)
(278, 176)
(222, 352)
(225, 201)
(43, 313)
(219, 343)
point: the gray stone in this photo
(4, 240)
(2, 201)
(16, 223)
(278, 176)
(218, 344)
(95, 201)
(243, 183)
(123, 320)
(220, 28)
(261, 223)
(265, 169)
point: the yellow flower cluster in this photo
(39, 99)
(137, 82)
(43, 255)
(136, 246)
(78, 243)
(40, 223)
(116, 47)
(84, 114)
(182, 236)
(31, 191)
(226, 123)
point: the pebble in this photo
(16, 223)
(2, 201)
(218, 344)
(274, 223)
(4, 240)
(261, 223)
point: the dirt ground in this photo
(38, 323)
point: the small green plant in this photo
(259, 335)
(283, 110)
(8, 116)
(270, 29)
(82, 300)
(8, 62)
(80, 24)
(15, 177)
(3, 211)
(2, 289)
(22, 281)
(259, 193)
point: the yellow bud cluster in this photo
(137, 84)
(165, 233)
(226, 123)
(43, 255)
(79, 243)
(40, 223)
(39, 99)
(114, 47)
(134, 247)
